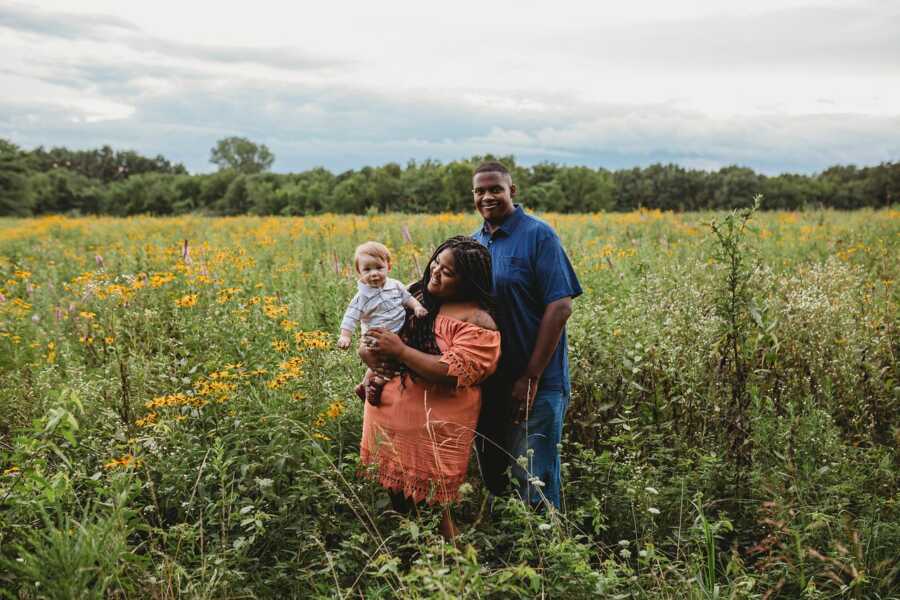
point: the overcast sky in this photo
(777, 85)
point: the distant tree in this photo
(547, 195)
(242, 155)
(735, 187)
(213, 188)
(65, 191)
(351, 195)
(148, 193)
(883, 184)
(387, 187)
(15, 199)
(262, 194)
(585, 190)
(791, 192)
(122, 182)
(304, 193)
(422, 187)
(457, 183)
(104, 163)
(543, 172)
(632, 189)
(236, 200)
(188, 192)
(7, 148)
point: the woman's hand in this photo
(386, 343)
(379, 364)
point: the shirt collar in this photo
(509, 224)
(367, 291)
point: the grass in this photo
(179, 423)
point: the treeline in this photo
(124, 183)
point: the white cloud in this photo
(788, 85)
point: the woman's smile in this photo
(443, 281)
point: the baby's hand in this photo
(343, 342)
(420, 311)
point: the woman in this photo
(417, 441)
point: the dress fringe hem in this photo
(416, 486)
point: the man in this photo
(534, 284)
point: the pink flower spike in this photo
(406, 236)
(186, 253)
(99, 260)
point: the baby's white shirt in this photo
(377, 307)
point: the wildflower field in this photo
(178, 422)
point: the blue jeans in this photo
(542, 433)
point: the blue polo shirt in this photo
(531, 270)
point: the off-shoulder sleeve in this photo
(472, 355)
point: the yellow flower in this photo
(312, 340)
(275, 312)
(160, 279)
(126, 460)
(186, 301)
(86, 315)
(287, 371)
(227, 294)
(334, 410)
(147, 421)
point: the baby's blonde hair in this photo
(374, 249)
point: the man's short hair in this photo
(492, 166)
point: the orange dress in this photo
(418, 440)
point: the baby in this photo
(379, 302)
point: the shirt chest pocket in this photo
(511, 271)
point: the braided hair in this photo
(473, 267)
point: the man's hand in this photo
(524, 390)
